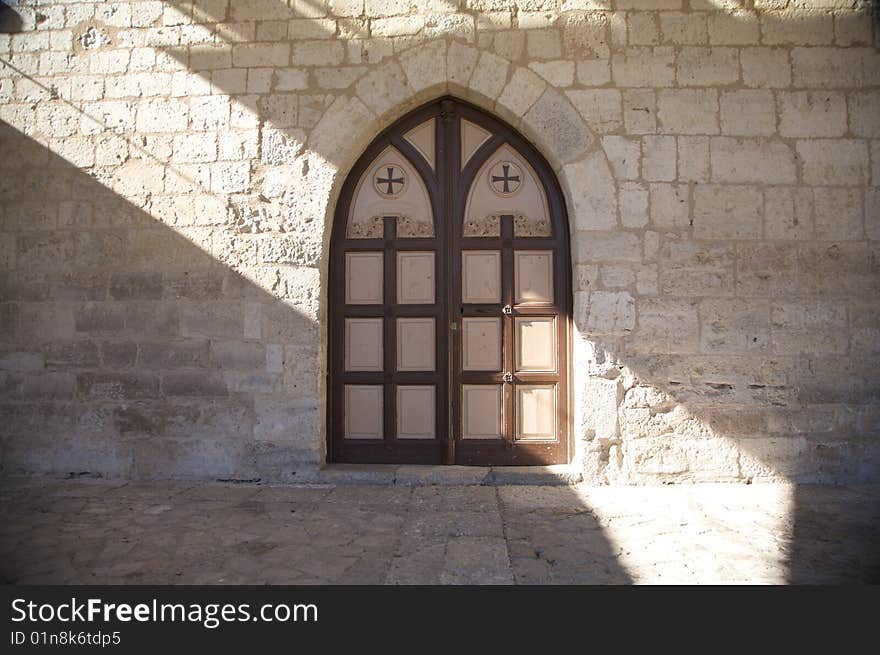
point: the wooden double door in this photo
(450, 298)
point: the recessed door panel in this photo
(449, 333)
(481, 344)
(535, 343)
(363, 411)
(363, 344)
(415, 278)
(415, 344)
(536, 412)
(416, 412)
(363, 278)
(533, 272)
(481, 411)
(481, 276)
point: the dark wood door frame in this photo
(447, 189)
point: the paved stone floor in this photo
(84, 531)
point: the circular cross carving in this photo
(389, 180)
(505, 178)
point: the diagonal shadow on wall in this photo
(131, 351)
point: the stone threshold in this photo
(424, 475)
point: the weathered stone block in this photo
(688, 111)
(665, 325)
(727, 212)
(688, 268)
(117, 386)
(812, 114)
(834, 162)
(748, 112)
(810, 327)
(187, 383)
(752, 160)
(658, 158)
(670, 206)
(608, 313)
(734, 326)
(767, 269)
(706, 66)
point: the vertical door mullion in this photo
(508, 345)
(389, 344)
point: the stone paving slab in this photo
(113, 532)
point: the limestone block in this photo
(834, 161)
(312, 53)
(734, 326)
(460, 63)
(767, 269)
(193, 384)
(623, 155)
(252, 55)
(689, 268)
(864, 108)
(592, 193)
(658, 158)
(585, 34)
(733, 28)
(559, 73)
(346, 8)
(521, 92)
(683, 28)
(543, 44)
(633, 204)
(693, 158)
(852, 28)
(827, 67)
(208, 113)
(812, 114)
(727, 212)
(609, 312)
(797, 27)
(557, 126)
(640, 111)
(600, 108)
(607, 247)
(163, 355)
(752, 160)
(599, 401)
(593, 72)
(788, 213)
(190, 148)
(748, 113)
(765, 67)
(676, 456)
(815, 327)
(238, 355)
(643, 67)
(665, 325)
(698, 66)
(688, 111)
(872, 214)
(617, 277)
(643, 29)
(670, 206)
(838, 214)
(489, 75)
(132, 385)
(426, 66)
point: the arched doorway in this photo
(450, 287)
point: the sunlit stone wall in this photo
(168, 171)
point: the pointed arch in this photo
(409, 342)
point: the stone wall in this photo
(169, 171)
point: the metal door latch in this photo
(507, 309)
(507, 377)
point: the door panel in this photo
(450, 275)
